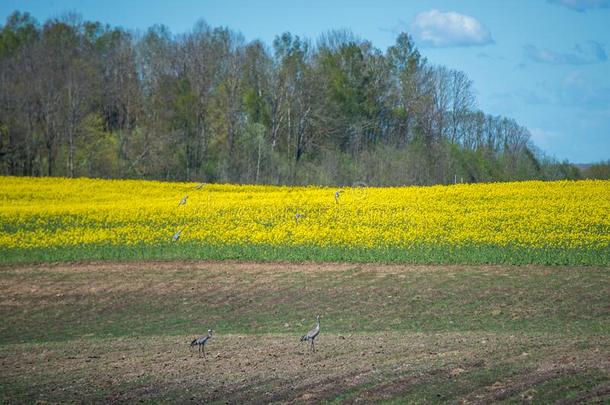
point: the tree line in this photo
(81, 98)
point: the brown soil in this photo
(277, 368)
(468, 367)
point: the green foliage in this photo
(98, 152)
(561, 170)
(600, 171)
(417, 254)
(21, 29)
(208, 106)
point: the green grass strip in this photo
(418, 254)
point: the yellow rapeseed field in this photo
(56, 212)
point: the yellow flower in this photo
(56, 212)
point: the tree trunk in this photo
(187, 152)
(71, 153)
(258, 160)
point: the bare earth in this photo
(82, 333)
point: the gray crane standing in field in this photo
(199, 186)
(312, 334)
(178, 233)
(201, 341)
(183, 201)
(338, 195)
(298, 216)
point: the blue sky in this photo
(542, 62)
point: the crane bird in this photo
(201, 341)
(199, 186)
(183, 201)
(298, 216)
(312, 334)
(337, 195)
(177, 235)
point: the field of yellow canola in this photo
(56, 212)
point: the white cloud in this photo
(445, 29)
(587, 53)
(582, 5)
